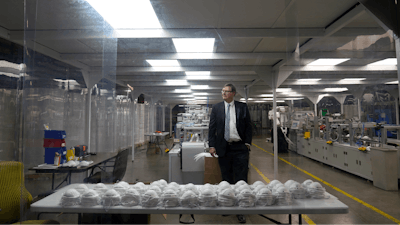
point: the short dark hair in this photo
(232, 87)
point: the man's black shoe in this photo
(241, 218)
(225, 215)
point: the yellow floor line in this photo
(305, 217)
(339, 190)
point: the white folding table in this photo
(51, 204)
(156, 138)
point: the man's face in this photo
(227, 94)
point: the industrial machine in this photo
(339, 142)
(192, 132)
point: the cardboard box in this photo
(212, 172)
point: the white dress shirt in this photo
(233, 133)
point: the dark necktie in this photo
(227, 121)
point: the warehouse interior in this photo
(323, 73)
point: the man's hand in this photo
(248, 147)
(212, 151)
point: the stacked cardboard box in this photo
(212, 172)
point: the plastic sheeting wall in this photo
(63, 109)
(8, 124)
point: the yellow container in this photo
(70, 154)
(307, 134)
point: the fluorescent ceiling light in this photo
(198, 77)
(393, 82)
(385, 62)
(260, 101)
(198, 73)
(266, 95)
(292, 93)
(188, 99)
(327, 62)
(177, 82)
(199, 87)
(335, 89)
(200, 97)
(4, 63)
(183, 90)
(163, 62)
(309, 80)
(10, 75)
(352, 79)
(195, 55)
(249, 99)
(294, 98)
(185, 96)
(125, 14)
(280, 101)
(283, 89)
(194, 44)
(200, 93)
(66, 81)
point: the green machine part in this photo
(324, 111)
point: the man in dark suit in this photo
(230, 137)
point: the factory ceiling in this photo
(258, 45)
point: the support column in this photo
(316, 110)
(397, 42)
(246, 92)
(397, 111)
(315, 99)
(133, 126)
(88, 119)
(358, 92)
(275, 135)
(170, 120)
(341, 99)
(152, 115)
(163, 117)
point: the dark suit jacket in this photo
(217, 126)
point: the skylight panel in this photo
(127, 14)
(327, 62)
(163, 63)
(198, 75)
(335, 89)
(308, 80)
(351, 80)
(177, 82)
(183, 90)
(283, 89)
(385, 62)
(194, 44)
(199, 86)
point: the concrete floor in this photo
(148, 167)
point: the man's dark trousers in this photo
(235, 163)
